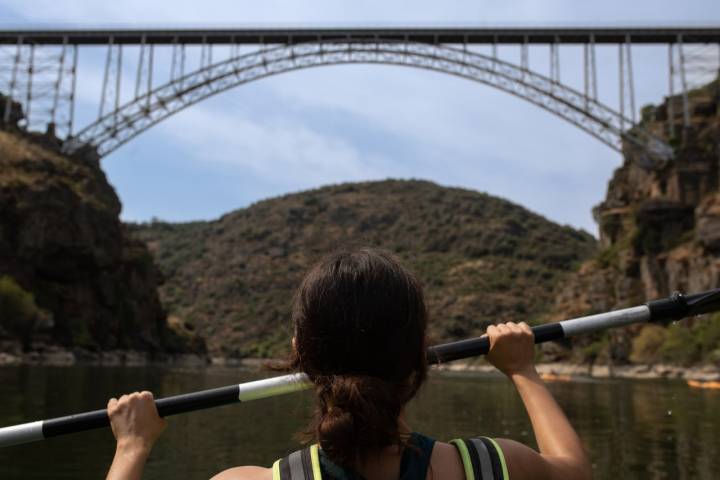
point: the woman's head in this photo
(360, 321)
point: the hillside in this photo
(659, 233)
(71, 280)
(482, 259)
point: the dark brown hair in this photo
(360, 320)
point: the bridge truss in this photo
(39, 69)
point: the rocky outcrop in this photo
(659, 226)
(707, 223)
(61, 240)
(15, 114)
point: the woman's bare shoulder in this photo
(445, 459)
(244, 473)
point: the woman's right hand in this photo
(512, 348)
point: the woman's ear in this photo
(294, 343)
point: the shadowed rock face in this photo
(16, 114)
(61, 240)
(659, 228)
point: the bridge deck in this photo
(656, 35)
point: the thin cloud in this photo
(281, 150)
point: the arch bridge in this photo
(39, 69)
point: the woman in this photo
(360, 321)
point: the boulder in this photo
(707, 220)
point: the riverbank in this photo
(559, 371)
(58, 356)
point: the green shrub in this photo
(680, 345)
(457, 327)
(707, 336)
(610, 256)
(646, 346)
(18, 312)
(597, 350)
(714, 357)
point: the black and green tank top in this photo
(482, 459)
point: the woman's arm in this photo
(561, 452)
(244, 473)
(136, 425)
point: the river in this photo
(649, 429)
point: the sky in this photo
(327, 125)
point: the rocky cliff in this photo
(659, 232)
(70, 277)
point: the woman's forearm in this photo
(129, 462)
(136, 425)
(553, 432)
(561, 452)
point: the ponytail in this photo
(360, 321)
(357, 415)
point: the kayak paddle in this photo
(674, 307)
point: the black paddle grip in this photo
(166, 406)
(474, 347)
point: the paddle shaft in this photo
(672, 308)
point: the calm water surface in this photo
(632, 429)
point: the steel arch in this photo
(118, 127)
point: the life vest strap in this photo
(300, 465)
(482, 459)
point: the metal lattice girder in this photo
(42, 80)
(116, 128)
(444, 35)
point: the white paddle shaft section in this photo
(270, 387)
(602, 321)
(23, 433)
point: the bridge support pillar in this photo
(13, 81)
(671, 91)
(683, 80)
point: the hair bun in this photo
(358, 414)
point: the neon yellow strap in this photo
(465, 456)
(315, 460)
(276, 470)
(506, 476)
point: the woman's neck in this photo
(381, 465)
(385, 463)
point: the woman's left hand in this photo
(135, 421)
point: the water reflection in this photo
(632, 429)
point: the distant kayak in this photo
(552, 377)
(715, 385)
